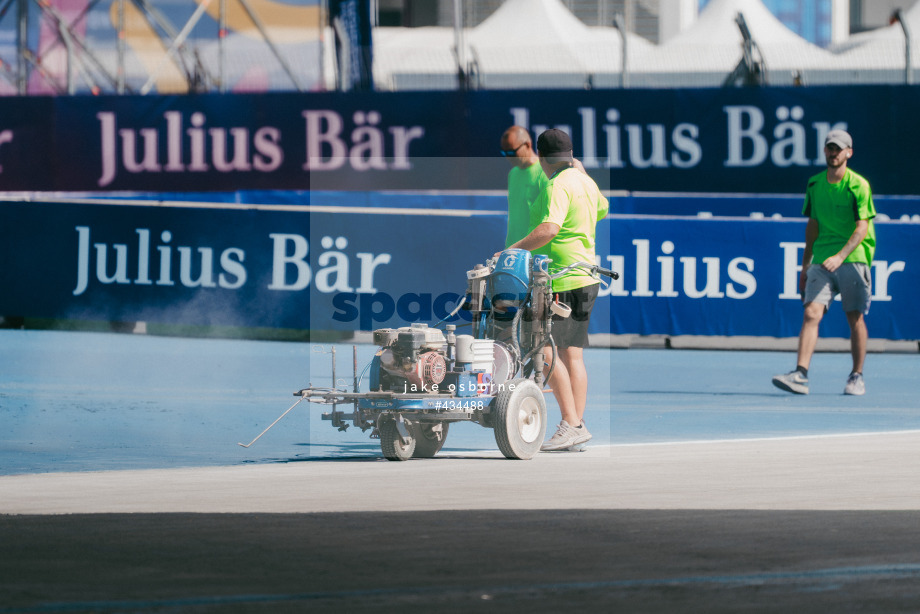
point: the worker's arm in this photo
(859, 233)
(538, 237)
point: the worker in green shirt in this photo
(563, 221)
(839, 247)
(526, 180)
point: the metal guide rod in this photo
(246, 445)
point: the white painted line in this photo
(756, 439)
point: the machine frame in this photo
(422, 380)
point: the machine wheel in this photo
(390, 443)
(519, 419)
(427, 440)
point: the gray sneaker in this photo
(565, 437)
(792, 382)
(855, 385)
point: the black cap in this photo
(553, 142)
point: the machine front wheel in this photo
(392, 444)
(519, 419)
(429, 438)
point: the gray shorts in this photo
(851, 281)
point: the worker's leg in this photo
(573, 359)
(561, 383)
(808, 336)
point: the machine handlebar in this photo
(593, 269)
(608, 272)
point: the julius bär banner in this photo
(339, 269)
(764, 140)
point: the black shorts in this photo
(573, 330)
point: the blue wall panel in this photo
(751, 140)
(341, 269)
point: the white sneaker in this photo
(792, 382)
(583, 434)
(566, 436)
(855, 385)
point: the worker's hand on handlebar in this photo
(591, 269)
(608, 272)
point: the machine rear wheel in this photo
(391, 444)
(519, 419)
(429, 438)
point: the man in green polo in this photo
(839, 247)
(563, 222)
(526, 181)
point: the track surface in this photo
(122, 489)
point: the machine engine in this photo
(421, 359)
(508, 325)
(415, 355)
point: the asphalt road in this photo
(812, 524)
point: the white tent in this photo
(415, 59)
(705, 54)
(879, 56)
(540, 43)
(524, 44)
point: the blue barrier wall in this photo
(316, 261)
(750, 140)
(638, 203)
(297, 267)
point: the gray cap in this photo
(840, 138)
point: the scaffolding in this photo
(67, 47)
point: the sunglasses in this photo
(512, 152)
